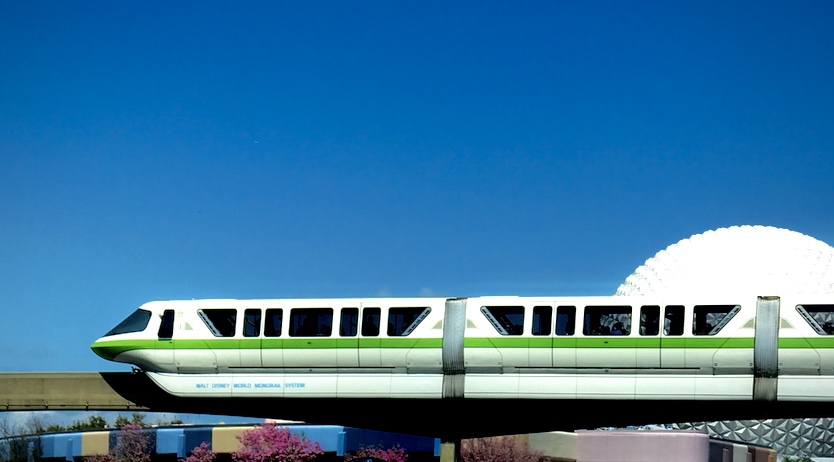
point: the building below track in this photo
(170, 444)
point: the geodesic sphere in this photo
(741, 259)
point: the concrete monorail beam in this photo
(61, 391)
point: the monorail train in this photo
(733, 348)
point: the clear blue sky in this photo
(151, 150)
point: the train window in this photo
(166, 327)
(347, 325)
(709, 319)
(252, 322)
(820, 317)
(649, 320)
(370, 322)
(542, 317)
(673, 320)
(402, 321)
(507, 320)
(565, 320)
(221, 322)
(311, 322)
(607, 320)
(272, 324)
(136, 322)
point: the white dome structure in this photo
(766, 261)
(741, 259)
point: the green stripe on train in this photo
(821, 342)
(113, 348)
(608, 342)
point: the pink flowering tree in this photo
(132, 445)
(394, 454)
(497, 449)
(201, 453)
(270, 443)
(99, 458)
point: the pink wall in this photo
(642, 446)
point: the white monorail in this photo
(733, 348)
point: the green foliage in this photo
(94, 422)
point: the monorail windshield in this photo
(136, 322)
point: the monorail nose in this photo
(106, 350)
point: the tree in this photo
(168, 423)
(35, 425)
(94, 422)
(21, 443)
(394, 454)
(132, 445)
(269, 443)
(497, 449)
(201, 453)
(137, 418)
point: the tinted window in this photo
(565, 320)
(272, 325)
(542, 318)
(673, 321)
(252, 323)
(649, 320)
(820, 317)
(402, 321)
(221, 322)
(166, 327)
(311, 322)
(709, 319)
(349, 321)
(136, 322)
(607, 320)
(507, 320)
(370, 322)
